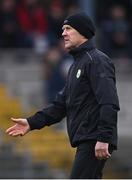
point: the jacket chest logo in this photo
(78, 73)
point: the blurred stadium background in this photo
(33, 67)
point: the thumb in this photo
(108, 154)
(16, 120)
(20, 121)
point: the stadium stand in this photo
(49, 146)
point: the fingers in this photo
(101, 151)
(15, 133)
(13, 130)
(20, 128)
(10, 129)
(102, 154)
(108, 154)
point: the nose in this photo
(64, 33)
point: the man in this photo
(89, 101)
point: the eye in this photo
(68, 28)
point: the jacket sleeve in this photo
(52, 114)
(103, 84)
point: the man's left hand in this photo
(101, 150)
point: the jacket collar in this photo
(87, 46)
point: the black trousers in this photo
(86, 165)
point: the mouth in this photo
(66, 40)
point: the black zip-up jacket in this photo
(89, 99)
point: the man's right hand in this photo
(20, 128)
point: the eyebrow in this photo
(65, 27)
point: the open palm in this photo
(20, 128)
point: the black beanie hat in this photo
(82, 23)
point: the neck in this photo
(86, 46)
(81, 42)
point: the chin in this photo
(68, 47)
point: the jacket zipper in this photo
(70, 83)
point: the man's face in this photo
(72, 38)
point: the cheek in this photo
(73, 38)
